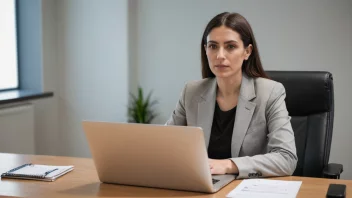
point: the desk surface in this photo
(83, 182)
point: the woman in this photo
(243, 114)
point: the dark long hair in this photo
(253, 66)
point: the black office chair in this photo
(310, 103)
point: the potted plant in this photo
(140, 109)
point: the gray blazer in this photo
(263, 141)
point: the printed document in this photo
(265, 188)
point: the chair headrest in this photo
(307, 92)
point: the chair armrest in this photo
(333, 171)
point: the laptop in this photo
(159, 156)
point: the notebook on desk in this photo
(37, 172)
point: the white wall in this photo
(92, 61)
(15, 137)
(85, 62)
(292, 35)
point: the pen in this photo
(50, 171)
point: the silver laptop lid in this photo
(173, 157)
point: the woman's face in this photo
(226, 52)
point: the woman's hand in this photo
(220, 167)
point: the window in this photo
(8, 45)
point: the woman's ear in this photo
(205, 48)
(248, 51)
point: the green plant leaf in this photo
(140, 109)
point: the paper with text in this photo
(265, 188)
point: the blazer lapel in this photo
(244, 114)
(206, 107)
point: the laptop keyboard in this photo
(215, 181)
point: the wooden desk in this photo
(84, 182)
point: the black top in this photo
(221, 133)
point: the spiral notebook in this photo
(37, 172)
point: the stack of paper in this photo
(265, 188)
